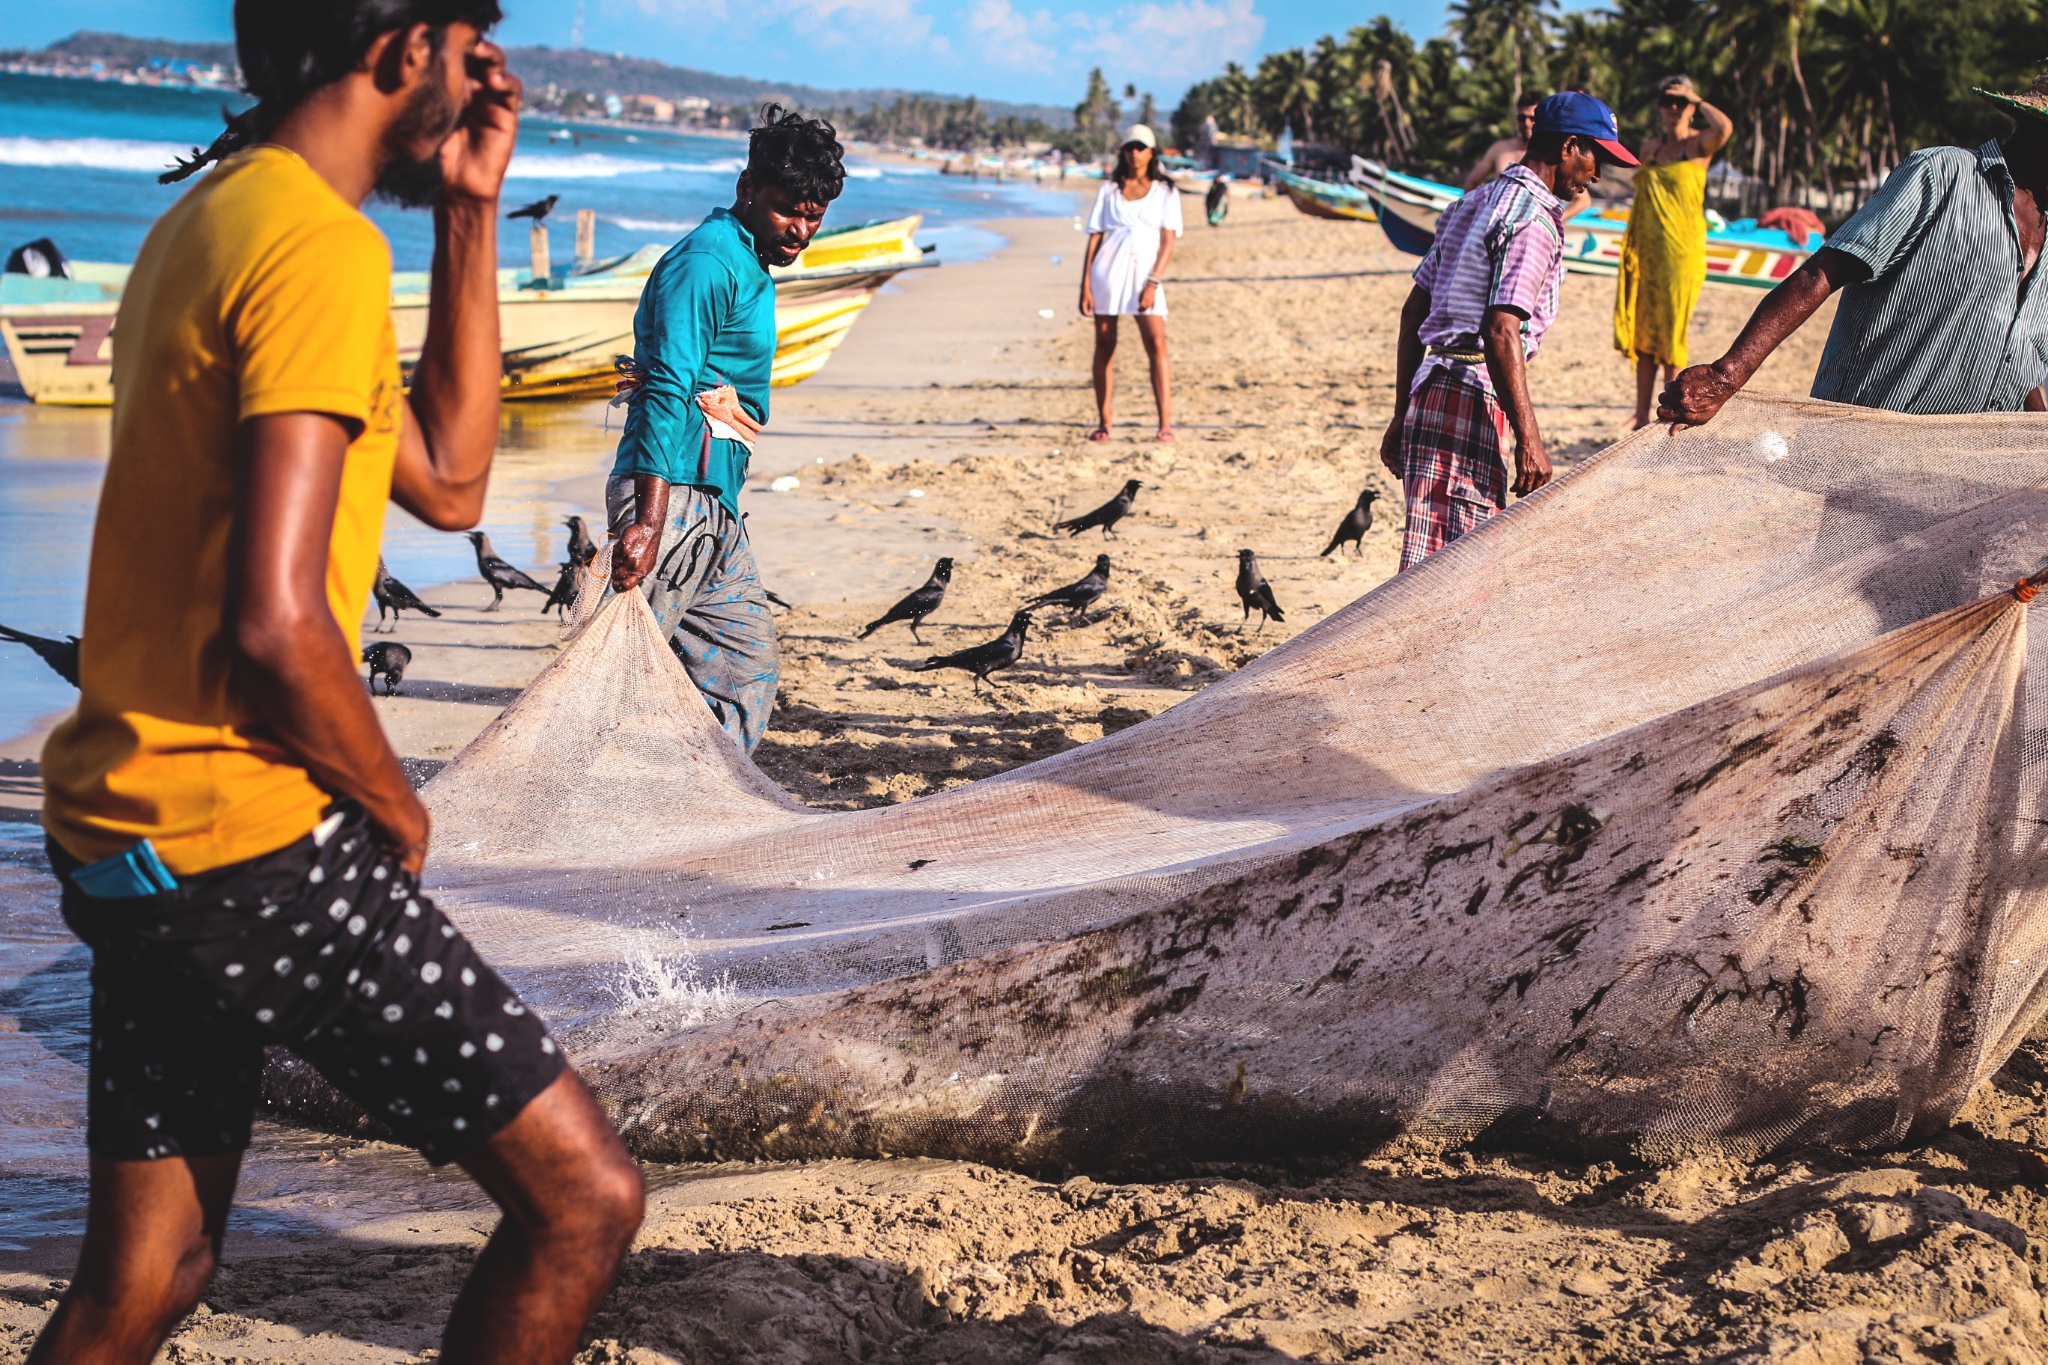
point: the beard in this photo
(428, 117)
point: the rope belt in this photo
(1458, 353)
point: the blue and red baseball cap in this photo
(1574, 113)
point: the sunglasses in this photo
(1674, 102)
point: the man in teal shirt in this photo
(704, 347)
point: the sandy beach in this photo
(953, 423)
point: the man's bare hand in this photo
(1532, 467)
(1695, 396)
(1390, 447)
(474, 157)
(723, 404)
(633, 555)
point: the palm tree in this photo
(1287, 90)
(1511, 33)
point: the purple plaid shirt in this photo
(1502, 245)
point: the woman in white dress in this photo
(1130, 240)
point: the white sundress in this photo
(1130, 231)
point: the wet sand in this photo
(956, 389)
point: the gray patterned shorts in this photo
(325, 948)
(706, 593)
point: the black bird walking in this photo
(564, 595)
(1105, 516)
(394, 597)
(582, 549)
(982, 660)
(1078, 597)
(499, 574)
(388, 659)
(1356, 523)
(919, 604)
(537, 210)
(60, 655)
(1254, 591)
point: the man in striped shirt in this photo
(1483, 297)
(1939, 312)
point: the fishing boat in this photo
(559, 334)
(1738, 253)
(1324, 198)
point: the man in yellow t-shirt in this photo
(236, 840)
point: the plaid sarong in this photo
(1453, 470)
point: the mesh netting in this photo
(1695, 799)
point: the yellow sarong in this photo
(1663, 262)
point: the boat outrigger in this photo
(1407, 208)
(560, 334)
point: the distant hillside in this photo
(602, 73)
(598, 73)
(119, 49)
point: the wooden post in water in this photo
(537, 242)
(586, 236)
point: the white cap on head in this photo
(1139, 133)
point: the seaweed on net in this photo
(1695, 800)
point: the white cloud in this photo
(1008, 37)
(1168, 45)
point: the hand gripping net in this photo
(1695, 800)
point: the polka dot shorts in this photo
(324, 947)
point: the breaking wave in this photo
(90, 153)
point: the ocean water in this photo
(79, 159)
(78, 163)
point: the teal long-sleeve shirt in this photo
(707, 317)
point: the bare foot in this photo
(1165, 434)
(1637, 422)
(1099, 434)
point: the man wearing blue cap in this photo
(1483, 297)
(1939, 313)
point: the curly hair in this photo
(798, 154)
(290, 48)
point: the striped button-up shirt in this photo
(1944, 323)
(1501, 246)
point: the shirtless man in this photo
(1510, 150)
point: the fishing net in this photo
(1696, 799)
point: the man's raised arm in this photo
(451, 422)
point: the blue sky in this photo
(1033, 50)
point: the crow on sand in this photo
(1105, 516)
(538, 210)
(394, 597)
(564, 595)
(1254, 591)
(499, 574)
(60, 655)
(984, 659)
(919, 604)
(1079, 596)
(582, 549)
(1351, 531)
(388, 659)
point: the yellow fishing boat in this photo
(559, 335)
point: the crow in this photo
(388, 658)
(1356, 523)
(60, 655)
(1254, 591)
(1105, 516)
(919, 604)
(497, 572)
(564, 595)
(582, 549)
(982, 660)
(394, 596)
(776, 601)
(538, 210)
(1078, 597)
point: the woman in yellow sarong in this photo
(1664, 251)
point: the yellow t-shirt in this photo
(262, 291)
